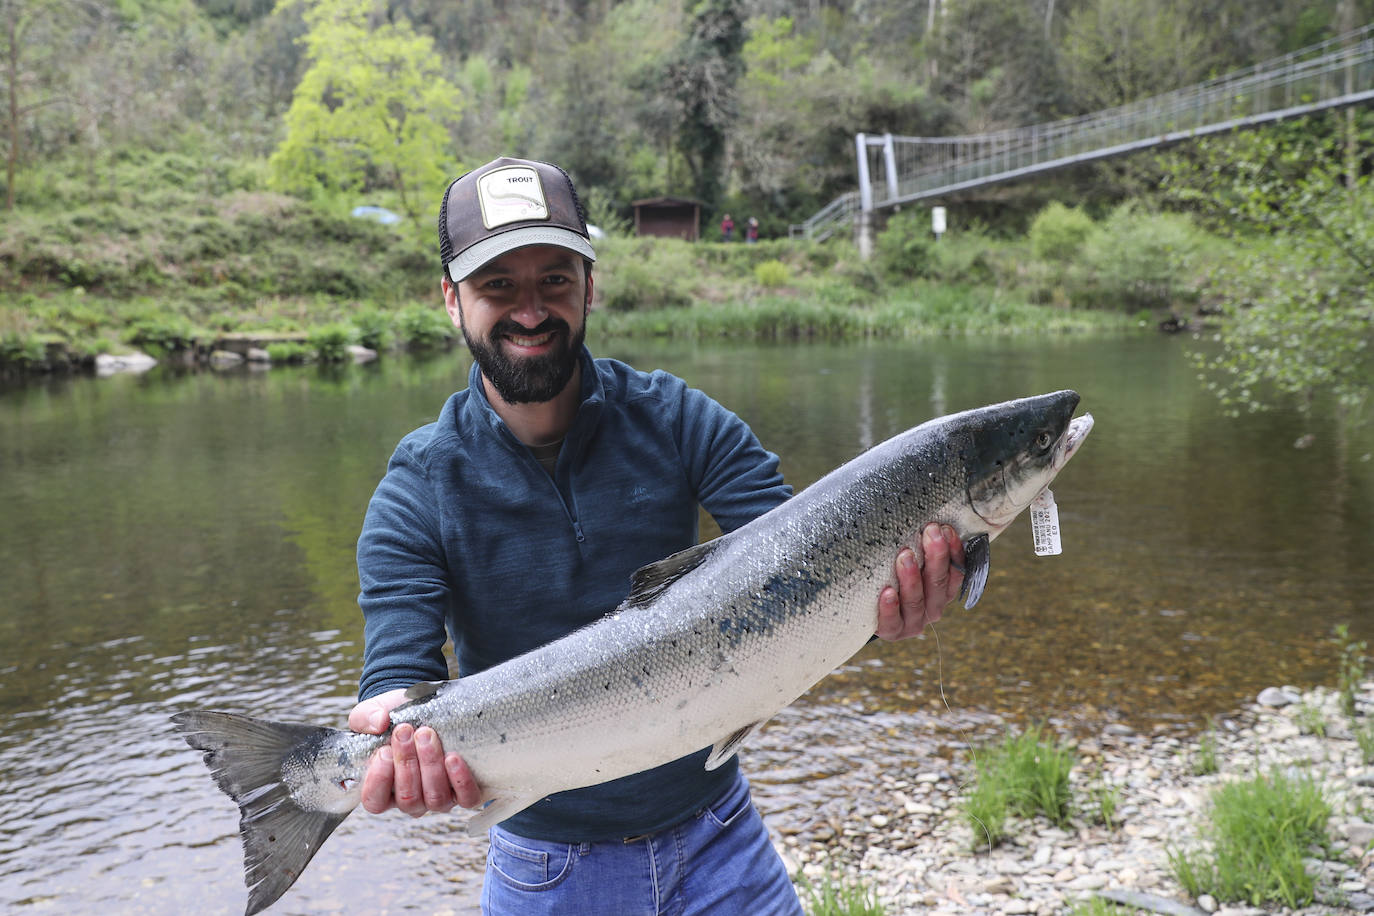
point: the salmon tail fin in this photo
(245, 757)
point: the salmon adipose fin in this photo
(245, 756)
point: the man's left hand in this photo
(925, 584)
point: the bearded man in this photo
(519, 516)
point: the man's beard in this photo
(528, 379)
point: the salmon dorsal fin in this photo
(648, 582)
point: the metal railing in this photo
(1334, 73)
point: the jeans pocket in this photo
(528, 865)
(726, 810)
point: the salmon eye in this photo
(1043, 440)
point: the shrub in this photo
(288, 351)
(903, 247)
(1141, 259)
(640, 284)
(374, 328)
(1058, 232)
(771, 274)
(160, 334)
(22, 350)
(330, 342)
(421, 326)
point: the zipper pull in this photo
(577, 530)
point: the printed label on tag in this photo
(510, 194)
(1045, 525)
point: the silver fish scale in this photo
(771, 611)
(712, 642)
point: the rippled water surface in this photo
(179, 540)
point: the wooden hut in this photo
(668, 217)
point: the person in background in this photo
(727, 228)
(519, 515)
(751, 230)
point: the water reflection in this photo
(178, 540)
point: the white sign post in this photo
(937, 221)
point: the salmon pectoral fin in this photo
(977, 561)
(724, 750)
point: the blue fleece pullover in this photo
(467, 533)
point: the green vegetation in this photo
(1022, 776)
(371, 106)
(1205, 763)
(1350, 673)
(1364, 737)
(840, 897)
(1104, 800)
(1299, 304)
(180, 168)
(1310, 720)
(1096, 906)
(1255, 840)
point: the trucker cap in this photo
(508, 204)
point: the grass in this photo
(1205, 762)
(837, 897)
(1351, 671)
(1254, 840)
(165, 247)
(1096, 906)
(1105, 799)
(1310, 720)
(1022, 776)
(1364, 737)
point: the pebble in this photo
(922, 857)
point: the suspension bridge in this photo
(895, 170)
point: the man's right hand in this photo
(412, 772)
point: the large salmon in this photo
(708, 645)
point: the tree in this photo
(373, 108)
(1301, 304)
(31, 67)
(1118, 51)
(995, 59)
(702, 80)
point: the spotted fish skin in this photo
(710, 643)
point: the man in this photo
(519, 515)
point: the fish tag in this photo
(1044, 516)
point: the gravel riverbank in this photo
(918, 854)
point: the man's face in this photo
(523, 316)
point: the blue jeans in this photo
(718, 862)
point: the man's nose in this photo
(529, 308)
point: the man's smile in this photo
(530, 341)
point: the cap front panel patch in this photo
(510, 195)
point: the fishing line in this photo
(963, 733)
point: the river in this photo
(186, 539)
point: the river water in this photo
(186, 539)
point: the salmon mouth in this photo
(1078, 430)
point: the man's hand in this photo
(412, 772)
(925, 584)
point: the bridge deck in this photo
(895, 170)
